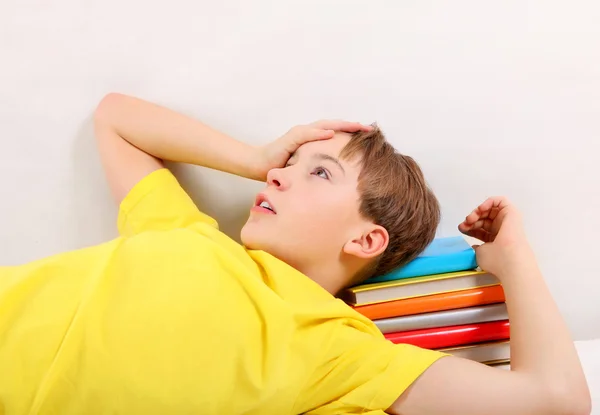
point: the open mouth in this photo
(266, 206)
(263, 204)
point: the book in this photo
(417, 287)
(442, 255)
(437, 302)
(500, 364)
(442, 337)
(458, 317)
(492, 352)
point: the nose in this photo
(277, 178)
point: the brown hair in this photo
(395, 195)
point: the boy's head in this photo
(345, 209)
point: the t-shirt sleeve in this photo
(368, 376)
(158, 202)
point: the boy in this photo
(175, 317)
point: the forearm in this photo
(541, 345)
(546, 376)
(172, 136)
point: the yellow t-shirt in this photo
(174, 317)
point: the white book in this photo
(470, 315)
(417, 287)
(503, 366)
(483, 353)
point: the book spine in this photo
(437, 302)
(453, 336)
(443, 318)
(488, 353)
(462, 261)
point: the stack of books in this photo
(441, 301)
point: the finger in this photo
(474, 216)
(496, 202)
(493, 213)
(485, 224)
(302, 134)
(480, 234)
(477, 230)
(341, 125)
(465, 227)
(366, 127)
(322, 134)
(313, 134)
(488, 209)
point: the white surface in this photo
(490, 98)
(589, 354)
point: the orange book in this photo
(437, 302)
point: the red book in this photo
(440, 337)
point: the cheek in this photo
(329, 214)
(318, 212)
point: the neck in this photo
(332, 276)
(330, 282)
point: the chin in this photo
(252, 237)
(257, 238)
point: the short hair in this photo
(395, 195)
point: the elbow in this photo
(582, 404)
(572, 400)
(102, 114)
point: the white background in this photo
(490, 97)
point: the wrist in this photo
(252, 162)
(519, 261)
(242, 160)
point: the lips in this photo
(263, 204)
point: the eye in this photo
(321, 172)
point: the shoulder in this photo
(158, 202)
(358, 369)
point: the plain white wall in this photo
(490, 97)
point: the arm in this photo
(134, 136)
(546, 376)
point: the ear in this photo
(370, 244)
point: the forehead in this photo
(331, 147)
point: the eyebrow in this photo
(327, 157)
(323, 156)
